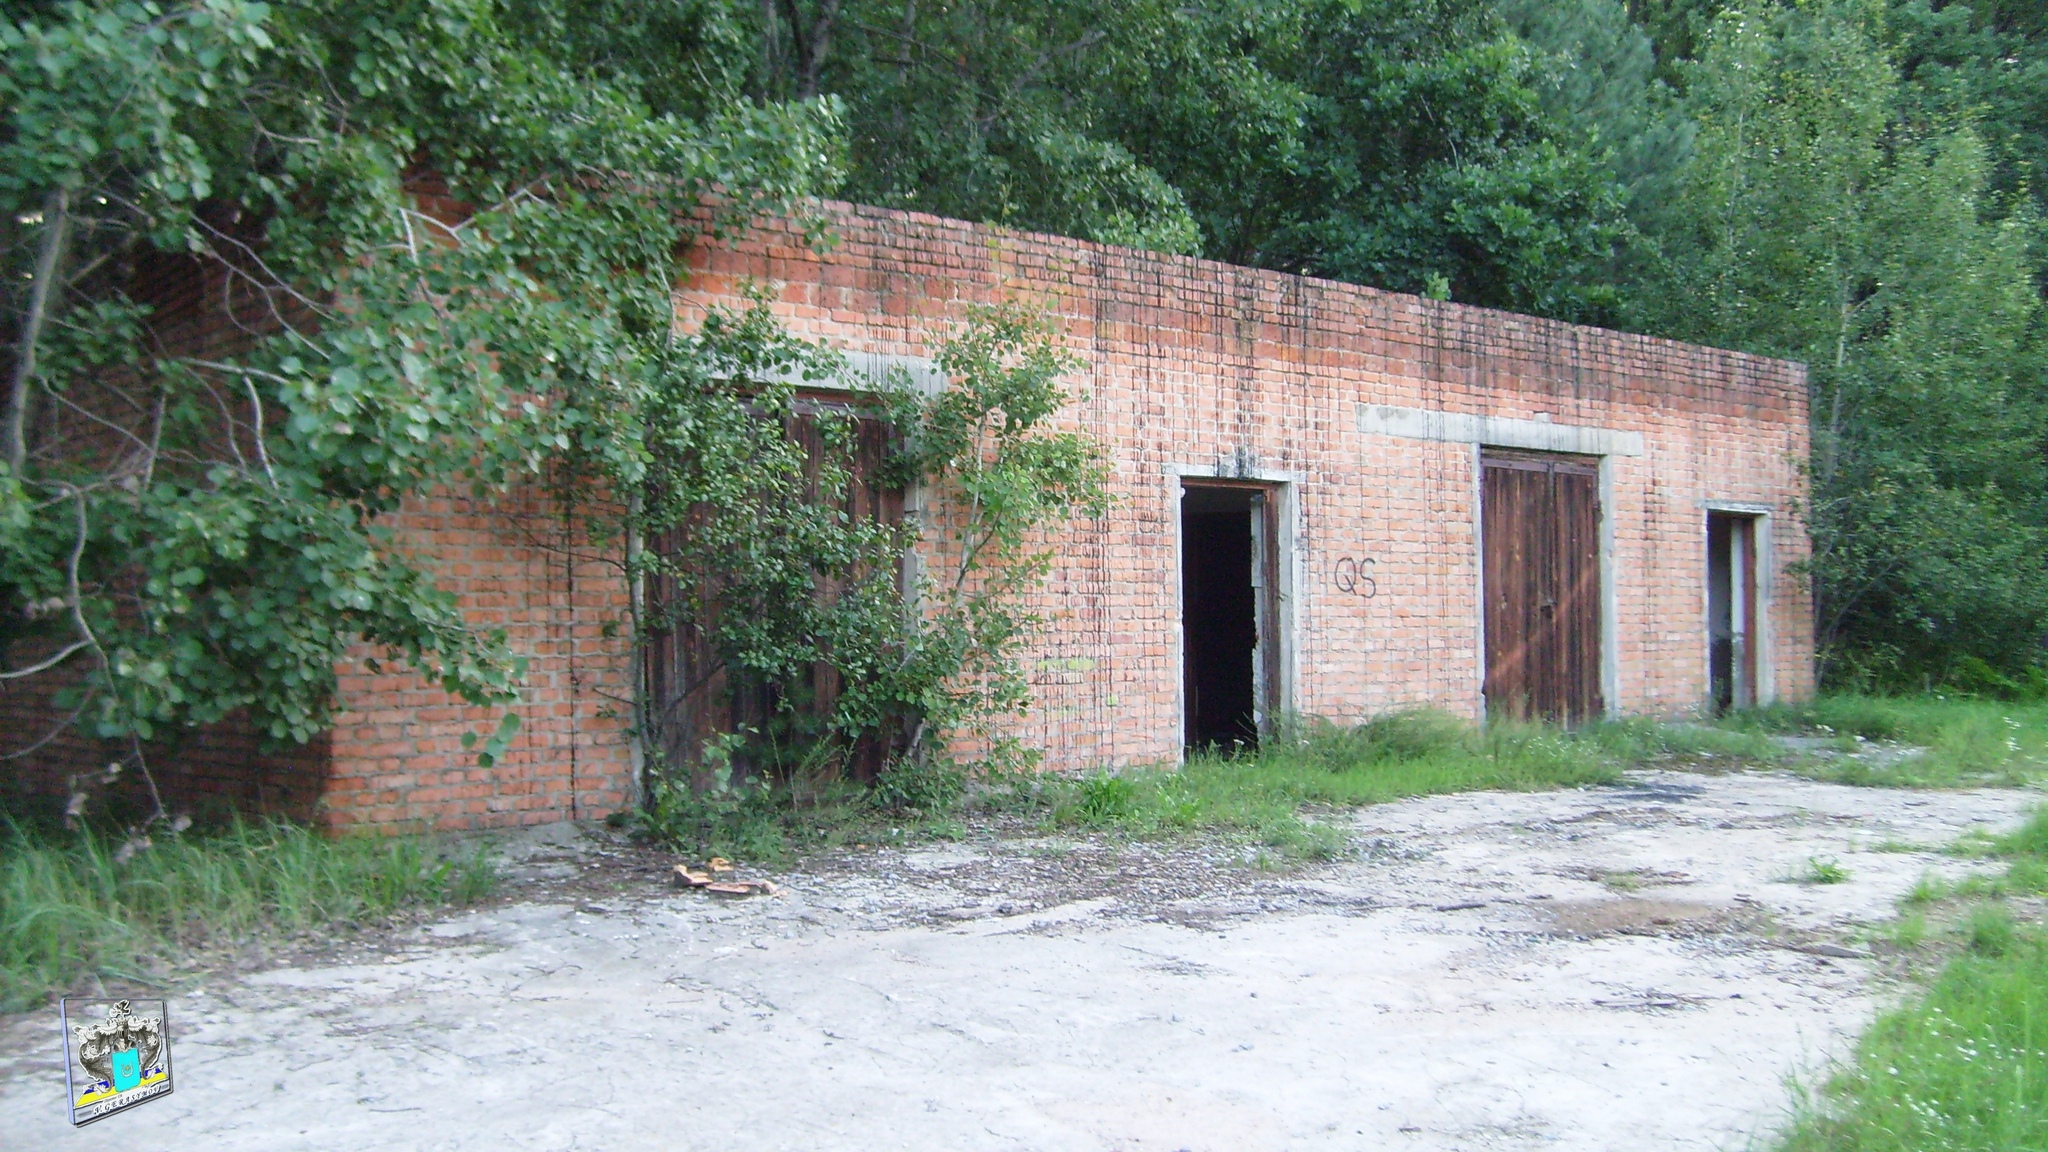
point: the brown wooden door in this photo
(691, 697)
(1540, 515)
(1266, 611)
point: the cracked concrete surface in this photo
(1609, 968)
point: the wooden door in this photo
(691, 697)
(1265, 529)
(1540, 517)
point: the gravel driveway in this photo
(1623, 967)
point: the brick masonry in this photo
(1200, 368)
(1192, 368)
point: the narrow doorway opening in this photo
(1731, 610)
(1229, 644)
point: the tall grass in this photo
(1264, 794)
(71, 910)
(1269, 795)
(1964, 1064)
(1967, 741)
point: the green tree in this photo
(1819, 223)
(445, 236)
(1677, 30)
(985, 110)
(1985, 62)
(1432, 165)
(194, 500)
(1600, 81)
(1411, 144)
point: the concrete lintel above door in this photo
(871, 372)
(1496, 431)
(1234, 467)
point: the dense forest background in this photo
(1857, 184)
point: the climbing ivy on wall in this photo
(917, 655)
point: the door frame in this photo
(1764, 562)
(1282, 489)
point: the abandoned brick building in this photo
(1330, 500)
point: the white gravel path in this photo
(1605, 968)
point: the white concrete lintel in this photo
(872, 372)
(1496, 431)
(1235, 466)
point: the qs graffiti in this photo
(1354, 577)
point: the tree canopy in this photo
(276, 270)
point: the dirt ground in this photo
(1622, 967)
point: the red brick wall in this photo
(208, 771)
(1191, 366)
(398, 758)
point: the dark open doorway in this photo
(1731, 610)
(1229, 648)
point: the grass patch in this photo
(1268, 797)
(1966, 741)
(1271, 796)
(771, 824)
(1964, 1063)
(71, 909)
(1630, 880)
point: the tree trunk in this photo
(13, 437)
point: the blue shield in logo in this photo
(127, 1070)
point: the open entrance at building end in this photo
(1230, 636)
(1732, 610)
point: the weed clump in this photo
(75, 905)
(1822, 870)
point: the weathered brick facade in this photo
(1365, 409)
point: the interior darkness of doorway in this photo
(1219, 616)
(1731, 610)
